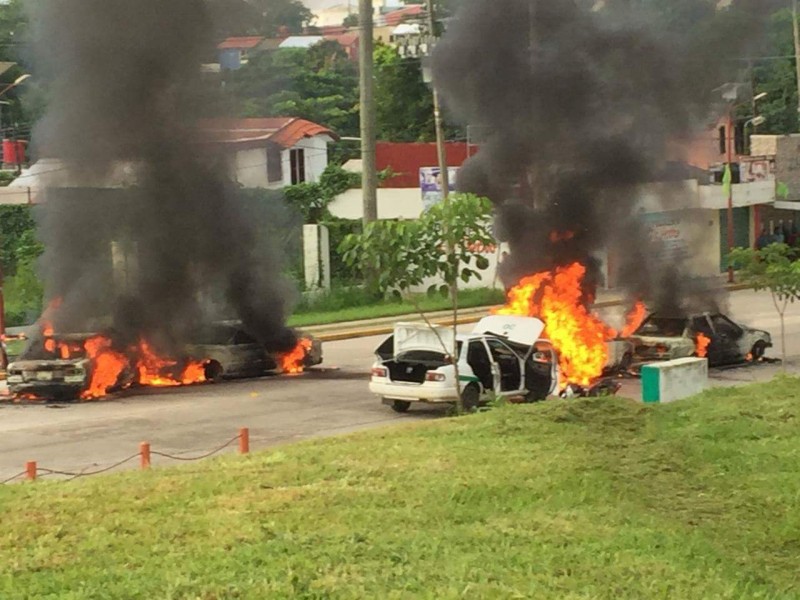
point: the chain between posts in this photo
(32, 470)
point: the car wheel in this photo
(401, 406)
(759, 348)
(470, 398)
(213, 371)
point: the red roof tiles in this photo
(284, 131)
(240, 43)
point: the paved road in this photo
(278, 409)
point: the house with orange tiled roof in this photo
(234, 52)
(271, 152)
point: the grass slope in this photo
(601, 498)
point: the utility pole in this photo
(369, 175)
(729, 157)
(796, 27)
(437, 115)
(450, 243)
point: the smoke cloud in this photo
(576, 104)
(169, 247)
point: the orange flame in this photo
(578, 336)
(635, 318)
(107, 366)
(292, 361)
(160, 372)
(702, 343)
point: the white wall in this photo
(398, 203)
(743, 194)
(316, 158)
(251, 168)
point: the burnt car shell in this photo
(48, 379)
(667, 337)
(229, 351)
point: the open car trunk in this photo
(414, 349)
(412, 367)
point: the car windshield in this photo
(662, 326)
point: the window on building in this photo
(297, 159)
(274, 164)
(723, 146)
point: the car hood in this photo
(419, 336)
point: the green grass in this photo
(343, 307)
(601, 498)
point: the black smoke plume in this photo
(143, 232)
(575, 103)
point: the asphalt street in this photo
(325, 401)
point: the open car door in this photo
(537, 373)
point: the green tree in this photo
(778, 78)
(13, 30)
(311, 200)
(447, 242)
(461, 227)
(319, 84)
(404, 102)
(775, 270)
(277, 15)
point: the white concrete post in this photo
(316, 257)
(325, 256)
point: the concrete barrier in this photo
(674, 380)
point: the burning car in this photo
(711, 335)
(228, 351)
(88, 366)
(64, 371)
(504, 355)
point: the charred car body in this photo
(49, 376)
(228, 352)
(225, 350)
(667, 337)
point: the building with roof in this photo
(260, 153)
(349, 43)
(301, 41)
(234, 52)
(271, 152)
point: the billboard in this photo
(757, 169)
(430, 183)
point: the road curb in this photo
(350, 334)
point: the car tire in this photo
(759, 348)
(213, 371)
(470, 398)
(401, 406)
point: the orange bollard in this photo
(30, 470)
(244, 440)
(144, 452)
